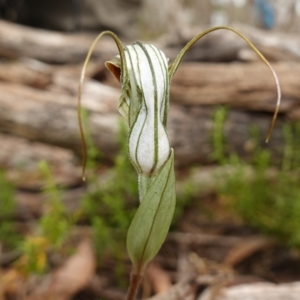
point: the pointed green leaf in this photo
(152, 220)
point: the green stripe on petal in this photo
(148, 92)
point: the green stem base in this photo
(135, 280)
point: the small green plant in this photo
(34, 255)
(110, 207)
(8, 233)
(55, 222)
(145, 76)
(218, 139)
(270, 204)
(52, 229)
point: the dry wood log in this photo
(31, 72)
(30, 203)
(246, 86)
(217, 291)
(224, 46)
(259, 291)
(65, 15)
(178, 291)
(22, 165)
(276, 46)
(48, 46)
(209, 178)
(22, 73)
(50, 117)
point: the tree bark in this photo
(21, 158)
(221, 46)
(259, 291)
(49, 46)
(50, 117)
(224, 46)
(245, 86)
(21, 72)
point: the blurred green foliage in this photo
(110, 207)
(9, 236)
(50, 232)
(270, 203)
(56, 222)
(218, 139)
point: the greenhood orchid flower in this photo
(145, 77)
(144, 105)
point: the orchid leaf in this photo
(152, 220)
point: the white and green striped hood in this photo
(144, 104)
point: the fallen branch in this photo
(50, 117)
(225, 46)
(48, 46)
(245, 86)
(260, 291)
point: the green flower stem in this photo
(143, 71)
(135, 280)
